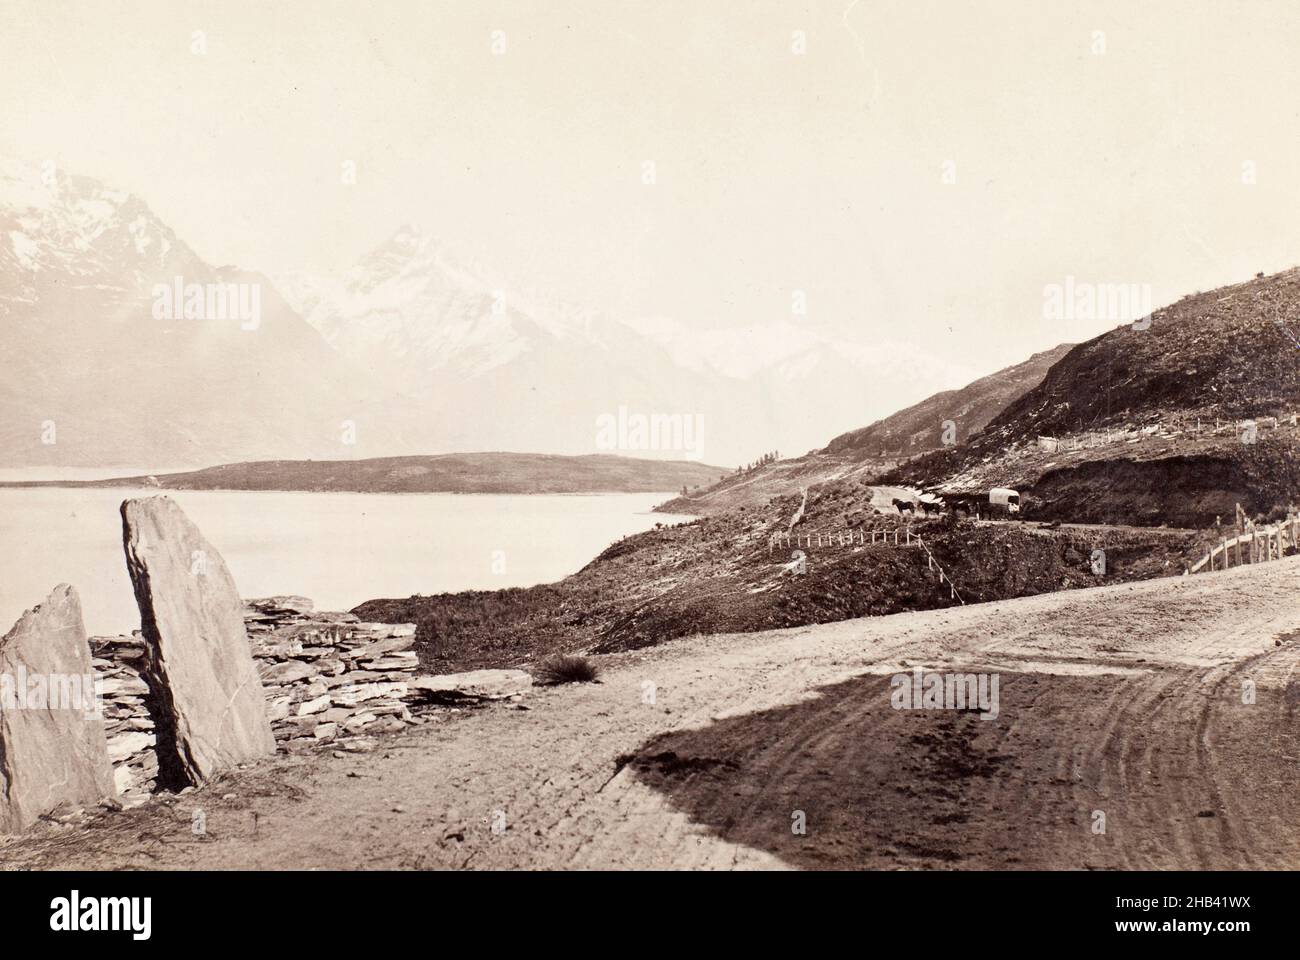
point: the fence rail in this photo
(1262, 545)
(862, 538)
(934, 565)
(843, 538)
(1165, 429)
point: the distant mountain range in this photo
(446, 473)
(459, 339)
(409, 351)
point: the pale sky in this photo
(775, 172)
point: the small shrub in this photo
(565, 668)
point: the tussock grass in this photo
(565, 668)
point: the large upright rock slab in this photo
(52, 747)
(205, 696)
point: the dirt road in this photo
(1124, 702)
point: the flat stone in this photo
(313, 653)
(290, 671)
(351, 676)
(288, 604)
(355, 723)
(372, 649)
(126, 745)
(52, 751)
(124, 685)
(390, 663)
(350, 696)
(210, 709)
(302, 725)
(314, 706)
(474, 685)
(316, 688)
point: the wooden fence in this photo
(943, 577)
(1166, 429)
(863, 538)
(1254, 546)
(843, 538)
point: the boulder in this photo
(52, 746)
(206, 699)
(472, 686)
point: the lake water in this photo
(340, 549)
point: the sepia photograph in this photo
(642, 436)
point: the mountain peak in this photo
(408, 234)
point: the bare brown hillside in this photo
(919, 428)
(1175, 423)
(868, 451)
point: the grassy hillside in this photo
(446, 473)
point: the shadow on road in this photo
(878, 788)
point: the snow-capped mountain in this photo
(464, 340)
(69, 232)
(100, 371)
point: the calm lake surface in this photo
(340, 549)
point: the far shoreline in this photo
(493, 473)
